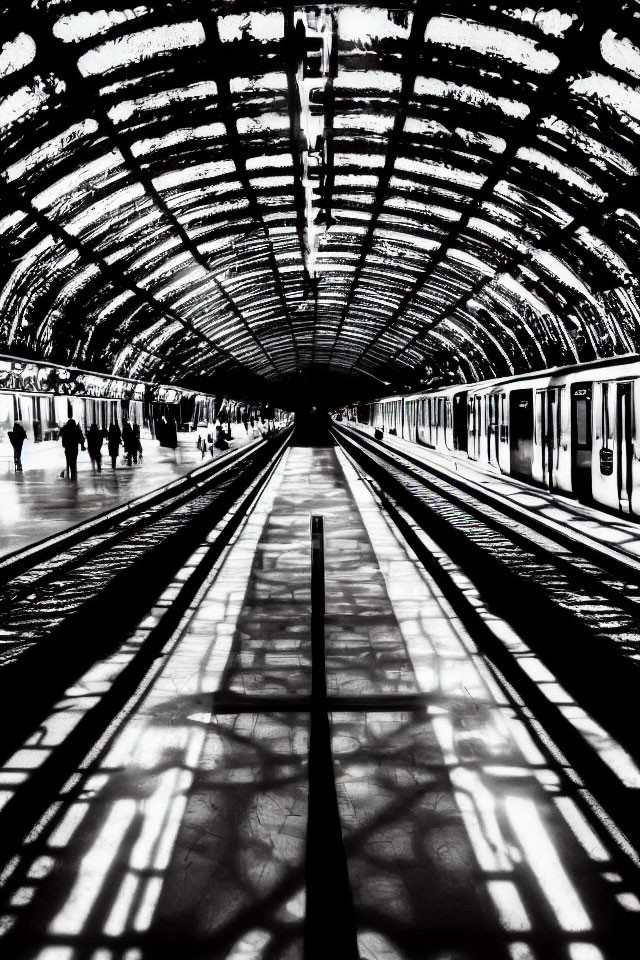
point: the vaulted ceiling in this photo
(254, 196)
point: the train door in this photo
(581, 441)
(474, 427)
(409, 421)
(421, 424)
(492, 428)
(550, 433)
(428, 433)
(460, 427)
(448, 424)
(624, 422)
(439, 440)
(521, 432)
(504, 456)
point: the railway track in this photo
(561, 631)
(88, 624)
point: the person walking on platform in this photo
(114, 439)
(72, 437)
(171, 439)
(137, 452)
(94, 446)
(221, 441)
(17, 437)
(129, 443)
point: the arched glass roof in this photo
(201, 192)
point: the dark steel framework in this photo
(197, 192)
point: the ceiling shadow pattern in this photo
(199, 190)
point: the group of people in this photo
(221, 441)
(73, 440)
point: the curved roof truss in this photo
(254, 193)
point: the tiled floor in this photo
(186, 836)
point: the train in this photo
(572, 430)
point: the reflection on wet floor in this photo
(38, 503)
(185, 834)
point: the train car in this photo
(575, 430)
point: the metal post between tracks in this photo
(329, 927)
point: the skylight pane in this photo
(141, 46)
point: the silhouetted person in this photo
(114, 439)
(72, 437)
(168, 434)
(17, 437)
(137, 444)
(94, 446)
(129, 442)
(221, 442)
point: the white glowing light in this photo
(446, 90)
(16, 54)
(93, 870)
(82, 26)
(182, 135)
(51, 149)
(369, 80)
(453, 32)
(621, 53)
(262, 27)
(551, 22)
(470, 261)
(371, 122)
(264, 123)
(542, 858)
(277, 160)
(93, 171)
(622, 97)
(19, 103)
(159, 101)
(509, 905)
(475, 137)
(545, 162)
(202, 171)
(269, 82)
(141, 46)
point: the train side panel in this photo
(575, 431)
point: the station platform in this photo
(183, 834)
(38, 503)
(564, 513)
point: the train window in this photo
(448, 413)
(582, 422)
(538, 419)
